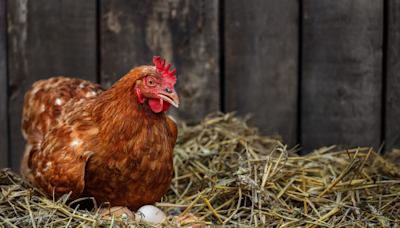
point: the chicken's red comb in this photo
(164, 71)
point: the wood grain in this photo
(4, 147)
(342, 73)
(47, 39)
(392, 103)
(261, 63)
(185, 33)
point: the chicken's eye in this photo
(150, 82)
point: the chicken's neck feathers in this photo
(122, 119)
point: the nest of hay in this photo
(227, 174)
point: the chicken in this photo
(115, 145)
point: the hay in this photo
(227, 174)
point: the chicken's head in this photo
(158, 87)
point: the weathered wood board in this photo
(185, 33)
(341, 73)
(47, 39)
(261, 63)
(392, 103)
(4, 147)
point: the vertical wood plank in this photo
(342, 73)
(4, 147)
(261, 63)
(392, 103)
(47, 39)
(185, 33)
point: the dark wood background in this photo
(318, 72)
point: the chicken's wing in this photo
(44, 103)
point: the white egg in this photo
(150, 213)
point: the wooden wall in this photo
(318, 72)
(341, 77)
(4, 125)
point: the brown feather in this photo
(102, 144)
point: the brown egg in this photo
(189, 218)
(119, 212)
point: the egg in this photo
(150, 213)
(119, 212)
(189, 218)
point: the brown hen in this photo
(115, 144)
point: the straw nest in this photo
(226, 173)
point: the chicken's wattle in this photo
(156, 105)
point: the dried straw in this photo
(227, 174)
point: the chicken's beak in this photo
(171, 98)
